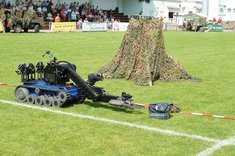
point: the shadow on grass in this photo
(105, 106)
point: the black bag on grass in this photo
(161, 110)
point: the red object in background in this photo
(214, 20)
(220, 20)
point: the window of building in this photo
(233, 10)
(229, 10)
(170, 14)
(221, 10)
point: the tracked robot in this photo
(51, 85)
(57, 84)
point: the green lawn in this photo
(209, 56)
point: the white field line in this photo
(217, 146)
(165, 131)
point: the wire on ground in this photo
(7, 84)
(209, 115)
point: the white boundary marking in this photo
(155, 129)
(217, 146)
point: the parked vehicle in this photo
(19, 21)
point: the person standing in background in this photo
(57, 18)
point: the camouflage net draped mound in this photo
(142, 56)
(229, 25)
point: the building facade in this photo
(224, 9)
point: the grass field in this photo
(209, 56)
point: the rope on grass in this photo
(7, 84)
(209, 115)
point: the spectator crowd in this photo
(64, 12)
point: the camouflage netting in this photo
(229, 25)
(25, 16)
(142, 56)
(2, 15)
